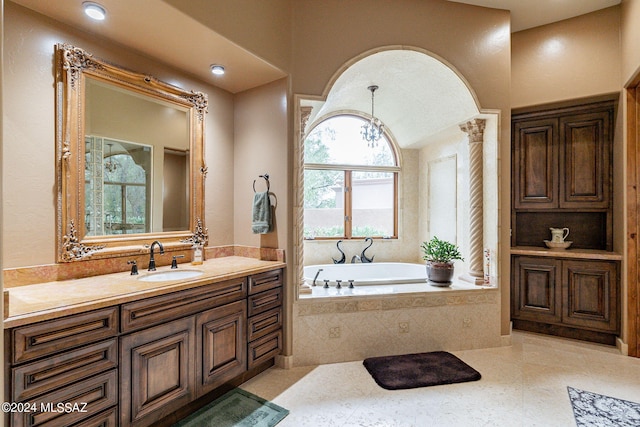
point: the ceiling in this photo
(533, 13)
(403, 88)
(197, 48)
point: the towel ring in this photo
(266, 178)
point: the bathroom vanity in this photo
(138, 351)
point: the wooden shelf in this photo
(566, 253)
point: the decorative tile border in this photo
(353, 304)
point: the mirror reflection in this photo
(136, 162)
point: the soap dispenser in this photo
(197, 255)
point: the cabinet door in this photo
(156, 372)
(585, 160)
(221, 345)
(535, 290)
(535, 164)
(590, 295)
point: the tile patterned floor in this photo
(522, 385)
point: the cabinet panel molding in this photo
(221, 346)
(99, 393)
(590, 295)
(264, 281)
(48, 374)
(152, 311)
(45, 338)
(535, 154)
(536, 289)
(264, 348)
(585, 161)
(156, 371)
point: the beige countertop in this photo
(589, 254)
(45, 301)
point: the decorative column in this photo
(475, 130)
(305, 113)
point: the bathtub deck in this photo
(319, 291)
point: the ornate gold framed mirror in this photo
(130, 160)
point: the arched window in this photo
(350, 188)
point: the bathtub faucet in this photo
(355, 258)
(316, 276)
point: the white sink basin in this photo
(163, 276)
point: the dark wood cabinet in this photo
(562, 173)
(567, 297)
(537, 291)
(87, 397)
(590, 295)
(265, 317)
(72, 359)
(585, 165)
(221, 352)
(562, 176)
(562, 161)
(535, 152)
(136, 363)
(156, 371)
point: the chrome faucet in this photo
(152, 261)
(355, 258)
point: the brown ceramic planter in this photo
(440, 273)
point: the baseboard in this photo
(284, 362)
(622, 346)
(505, 340)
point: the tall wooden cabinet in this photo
(562, 177)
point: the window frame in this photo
(348, 169)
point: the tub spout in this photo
(355, 258)
(316, 276)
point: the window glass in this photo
(349, 186)
(338, 141)
(323, 203)
(373, 198)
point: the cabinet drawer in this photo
(57, 371)
(264, 301)
(264, 348)
(45, 338)
(108, 418)
(98, 393)
(264, 323)
(152, 311)
(264, 281)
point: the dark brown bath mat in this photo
(419, 370)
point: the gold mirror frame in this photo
(73, 65)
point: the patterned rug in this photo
(237, 408)
(596, 410)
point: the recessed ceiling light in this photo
(218, 70)
(94, 10)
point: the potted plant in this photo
(440, 255)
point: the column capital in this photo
(305, 113)
(475, 129)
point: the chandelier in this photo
(372, 130)
(110, 164)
